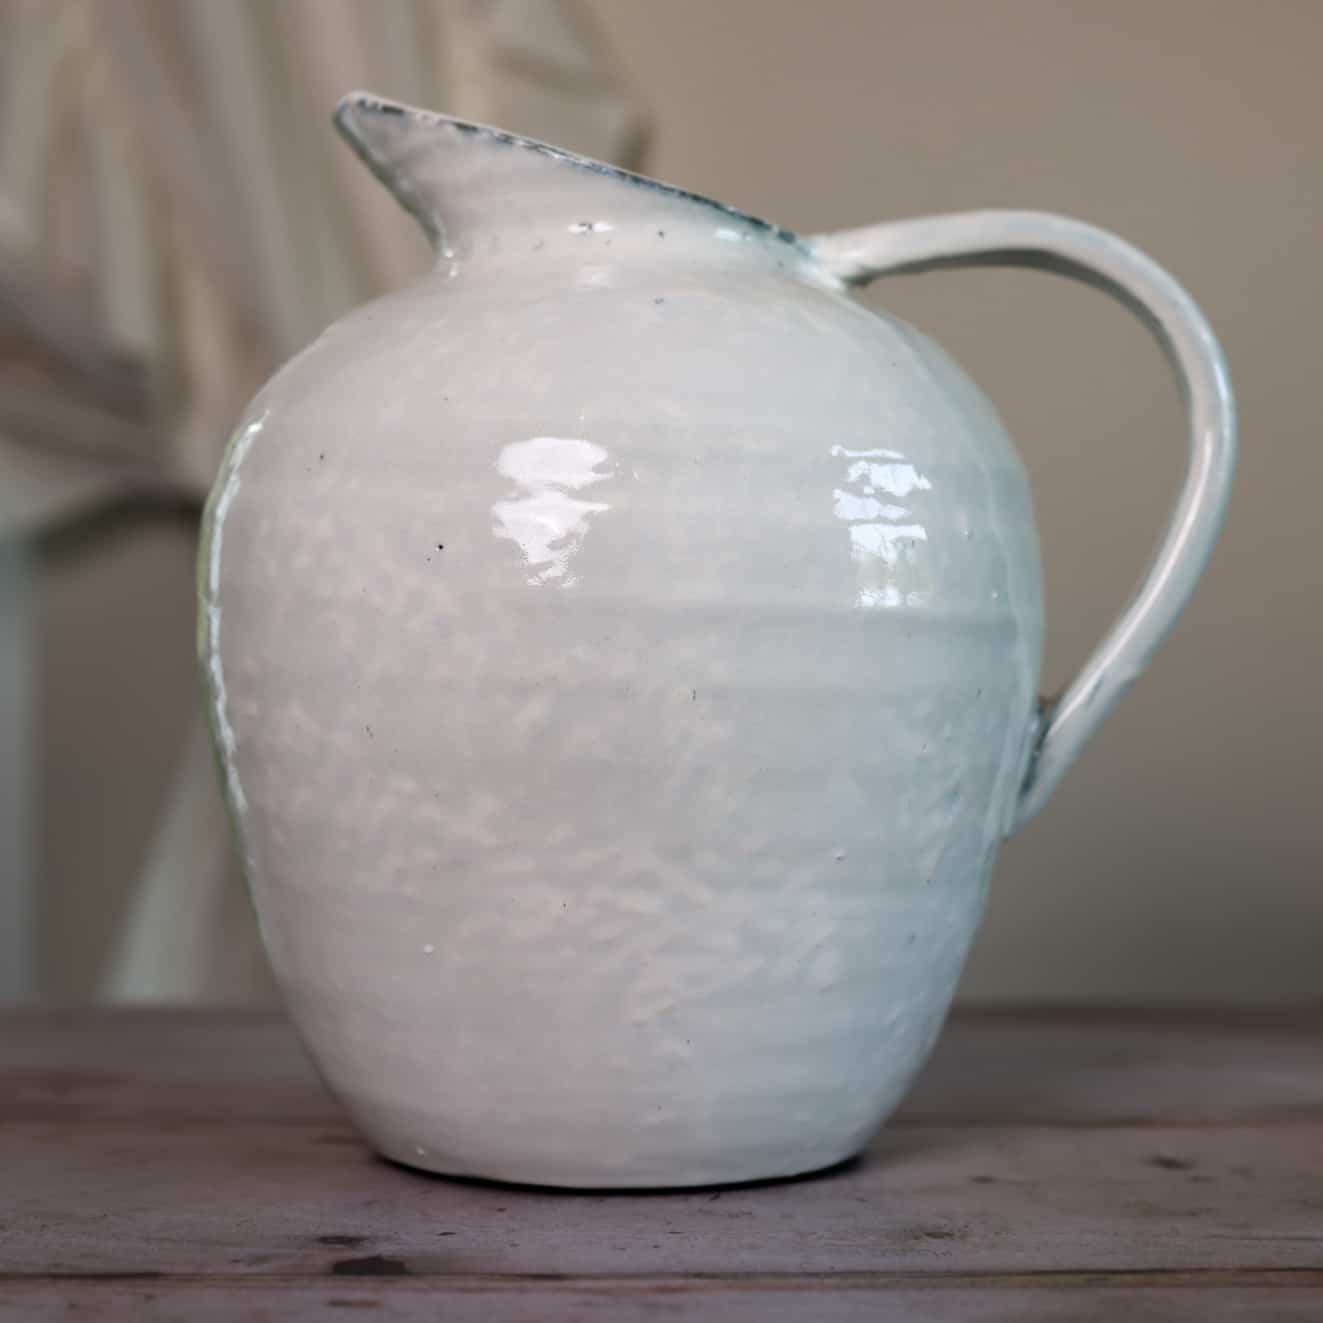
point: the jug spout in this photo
(401, 150)
(478, 190)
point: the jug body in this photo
(628, 683)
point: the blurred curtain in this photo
(176, 219)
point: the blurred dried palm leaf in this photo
(176, 219)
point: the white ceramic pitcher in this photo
(623, 649)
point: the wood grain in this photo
(163, 1165)
(258, 1199)
(985, 1301)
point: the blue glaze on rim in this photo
(377, 105)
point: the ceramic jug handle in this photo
(1070, 248)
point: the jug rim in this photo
(370, 102)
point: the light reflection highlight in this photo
(888, 544)
(543, 516)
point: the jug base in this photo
(552, 1175)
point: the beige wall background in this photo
(1181, 860)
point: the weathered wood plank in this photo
(1048, 1166)
(1090, 1068)
(408, 1300)
(255, 1200)
(1123, 1068)
(149, 1065)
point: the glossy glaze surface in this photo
(623, 652)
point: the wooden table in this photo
(188, 1166)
